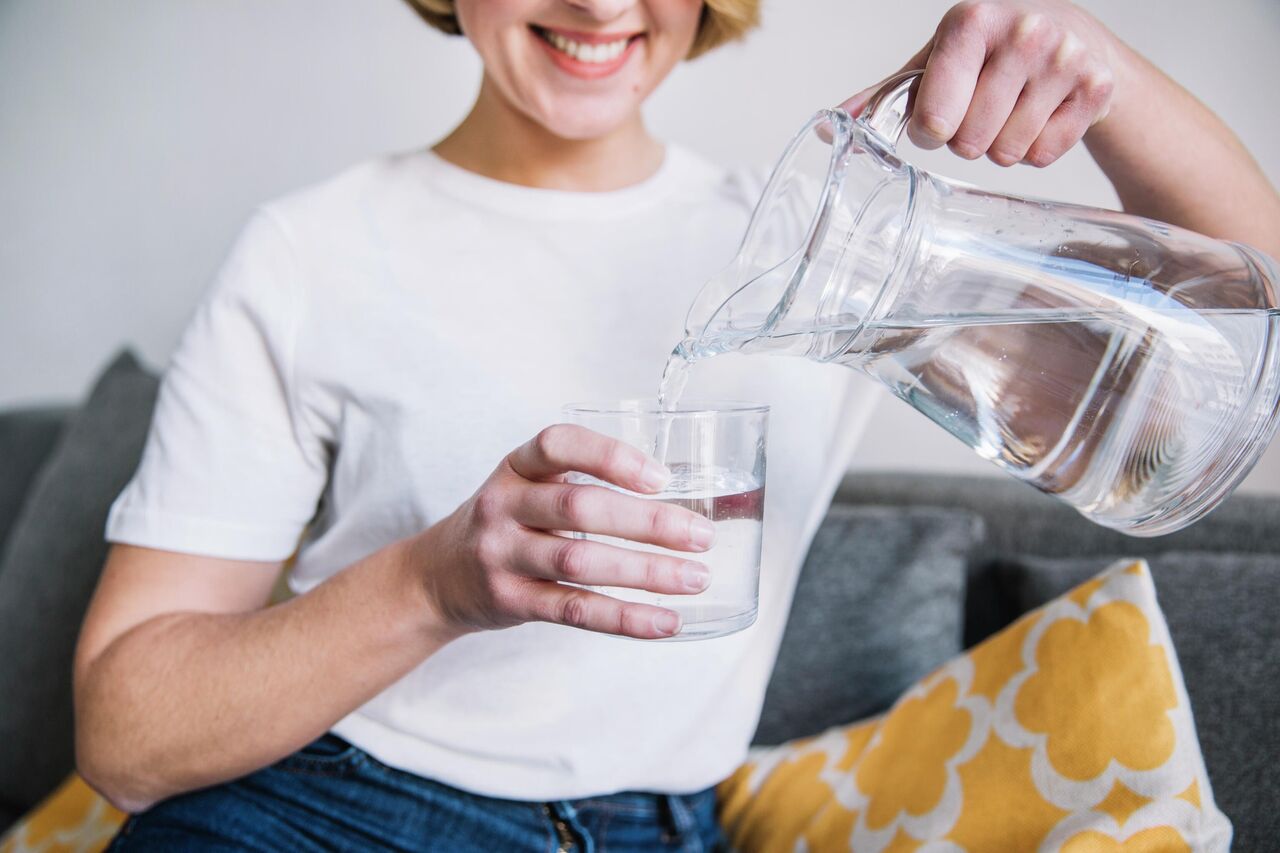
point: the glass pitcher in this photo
(1126, 366)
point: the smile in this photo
(587, 55)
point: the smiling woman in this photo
(722, 21)
(557, 71)
(370, 387)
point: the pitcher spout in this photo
(778, 293)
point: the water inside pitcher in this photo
(1126, 366)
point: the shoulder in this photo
(343, 199)
(284, 241)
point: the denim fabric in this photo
(333, 796)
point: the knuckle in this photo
(1031, 31)
(573, 560)
(616, 460)
(490, 550)
(656, 575)
(488, 506)
(1071, 111)
(1097, 86)
(1067, 54)
(549, 443)
(969, 14)
(659, 522)
(575, 610)
(623, 621)
(501, 595)
(571, 502)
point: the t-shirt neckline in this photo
(472, 188)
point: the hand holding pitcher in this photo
(1128, 367)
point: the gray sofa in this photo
(906, 571)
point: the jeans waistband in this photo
(640, 803)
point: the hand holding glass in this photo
(716, 455)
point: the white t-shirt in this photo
(373, 348)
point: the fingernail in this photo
(666, 622)
(696, 577)
(702, 533)
(654, 476)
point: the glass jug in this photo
(1126, 366)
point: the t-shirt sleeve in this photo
(230, 468)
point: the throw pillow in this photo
(48, 569)
(75, 817)
(881, 600)
(1068, 731)
(1221, 609)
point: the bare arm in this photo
(1170, 158)
(183, 679)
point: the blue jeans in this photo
(331, 795)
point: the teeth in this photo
(588, 53)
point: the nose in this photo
(601, 10)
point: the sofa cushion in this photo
(26, 437)
(1070, 730)
(1021, 520)
(48, 569)
(1222, 613)
(878, 604)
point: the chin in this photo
(583, 128)
(581, 122)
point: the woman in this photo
(375, 345)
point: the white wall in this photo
(136, 135)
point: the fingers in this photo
(1030, 116)
(997, 92)
(598, 510)
(1017, 82)
(582, 561)
(1087, 105)
(581, 608)
(562, 448)
(1064, 129)
(950, 77)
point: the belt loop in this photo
(571, 835)
(681, 824)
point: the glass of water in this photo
(716, 454)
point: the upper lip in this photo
(590, 38)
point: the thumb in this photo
(854, 104)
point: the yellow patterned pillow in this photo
(73, 818)
(1068, 731)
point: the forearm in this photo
(190, 699)
(1170, 158)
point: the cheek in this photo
(679, 19)
(484, 22)
(490, 14)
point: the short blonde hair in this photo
(722, 21)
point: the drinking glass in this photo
(716, 453)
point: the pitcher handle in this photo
(887, 111)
